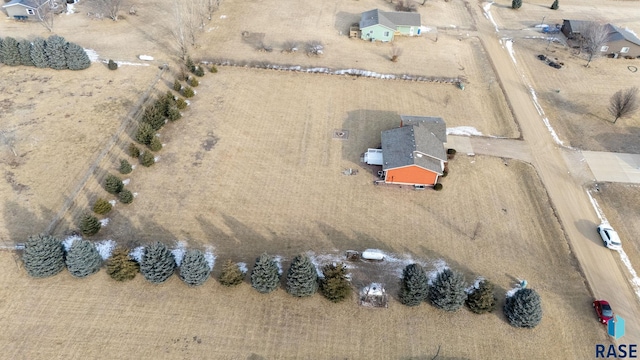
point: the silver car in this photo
(609, 236)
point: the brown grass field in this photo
(253, 167)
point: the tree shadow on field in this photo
(21, 222)
(128, 234)
(364, 127)
(344, 242)
(627, 142)
(344, 21)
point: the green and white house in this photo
(376, 25)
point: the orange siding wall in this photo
(411, 175)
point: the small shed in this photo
(373, 157)
(374, 295)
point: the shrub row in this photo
(446, 290)
(54, 52)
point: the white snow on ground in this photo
(487, 13)
(178, 251)
(635, 280)
(402, 262)
(424, 29)
(137, 253)
(210, 257)
(223, 16)
(104, 222)
(513, 291)
(70, 9)
(126, 181)
(464, 131)
(243, 267)
(508, 43)
(439, 266)
(320, 260)
(66, 243)
(156, 159)
(112, 202)
(474, 286)
(105, 248)
(120, 63)
(278, 260)
(93, 55)
(135, 194)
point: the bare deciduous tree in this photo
(395, 53)
(191, 17)
(624, 103)
(594, 37)
(109, 8)
(45, 13)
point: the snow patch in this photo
(135, 194)
(210, 257)
(635, 280)
(475, 286)
(104, 222)
(223, 16)
(178, 251)
(66, 243)
(145, 57)
(155, 159)
(92, 54)
(243, 267)
(513, 291)
(105, 248)
(137, 253)
(540, 111)
(425, 29)
(278, 260)
(508, 43)
(439, 266)
(70, 9)
(321, 260)
(487, 13)
(112, 202)
(596, 207)
(464, 131)
(126, 181)
(120, 63)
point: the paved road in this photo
(602, 268)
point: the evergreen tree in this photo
(77, 58)
(120, 266)
(176, 85)
(101, 207)
(413, 287)
(481, 298)
(133, 151)
(125, 167)
(302, 278)
(156, 144)
(1, 57)
(265, 277)
(145, 133)
(43, 256)
(335, 283)
(555, 5)
(24, 48)
(158, 263)
(112, 65)
(10, 53)
(83, 259)
(113, 184)
(147, 159)
(231, 274)
(89, 224)
(125, 196)
(55, 51)
(524, 308)
(447, 290)
(190, 65)
(516, 4)
(173, 113)
(194, 269)
(39, 53)
(153, 115)
(181, 104)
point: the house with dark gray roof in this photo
(620, 42)
(412, 154)
(377, 25)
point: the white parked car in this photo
(609, 236)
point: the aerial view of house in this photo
(223, 179)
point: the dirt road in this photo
(603, 270)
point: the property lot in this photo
(575, 98)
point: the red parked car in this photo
(603, 310)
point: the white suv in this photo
(609, 236)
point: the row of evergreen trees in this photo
(54, 52)
(446, 290)
(45, 256)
